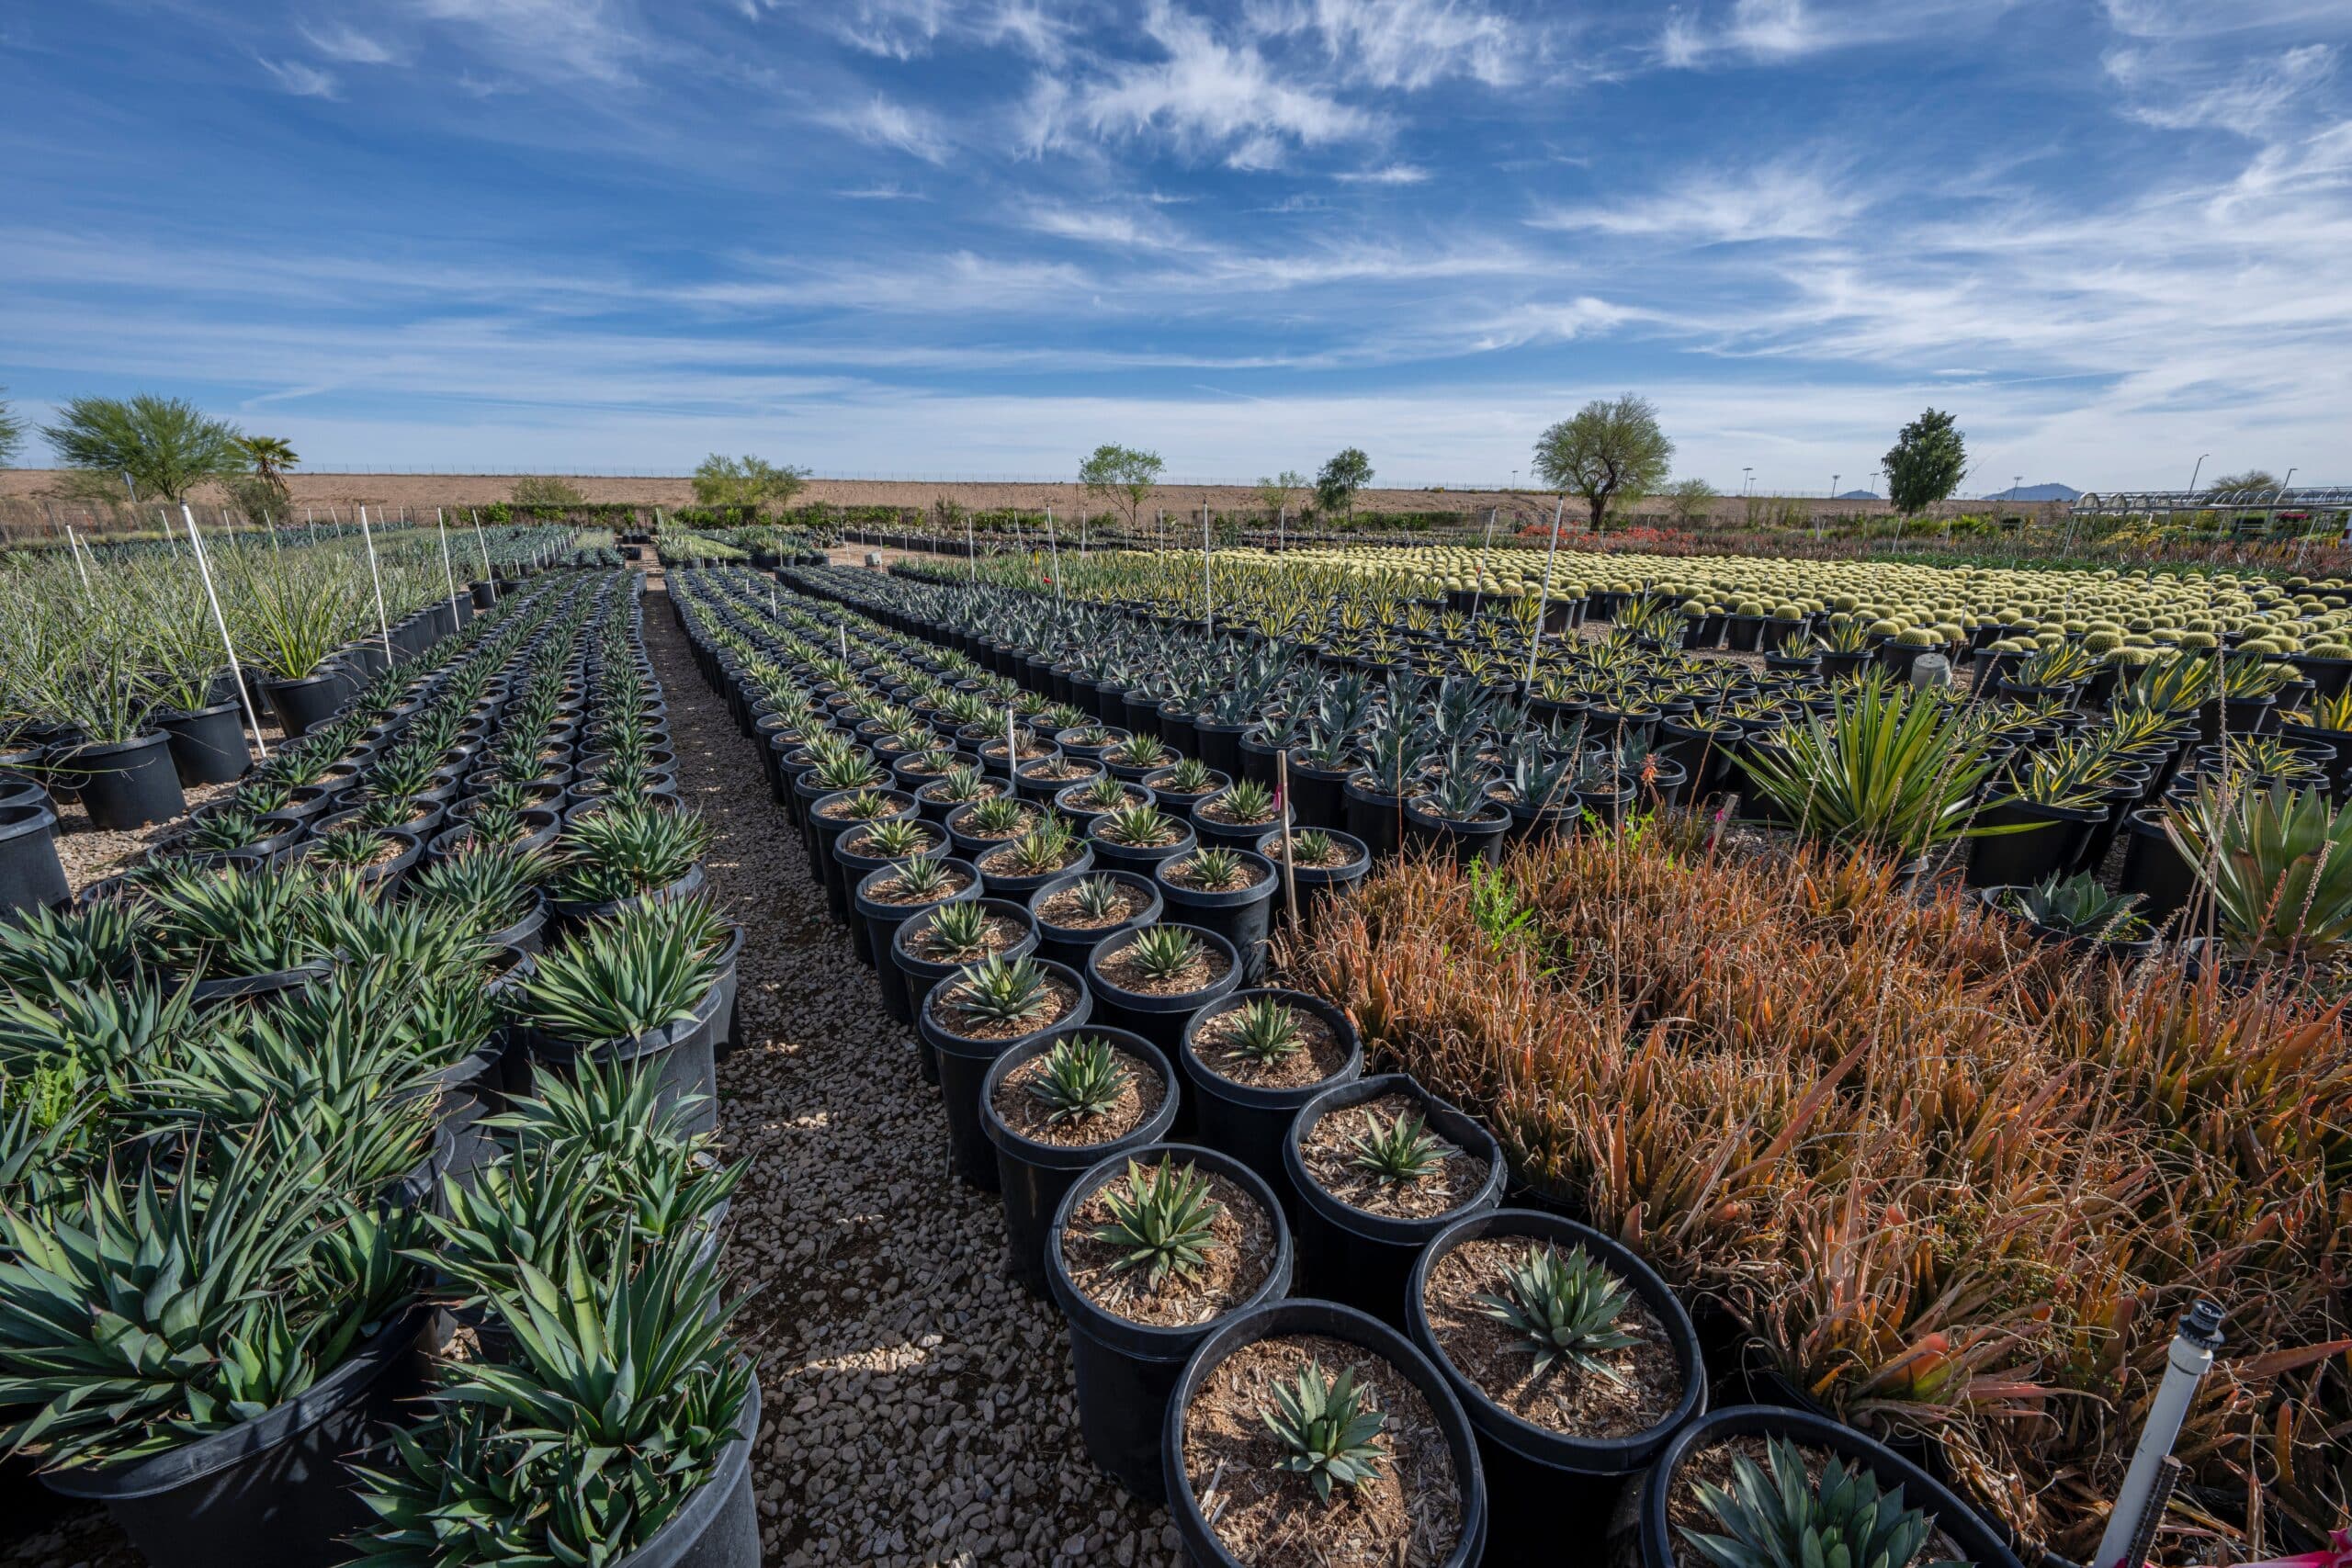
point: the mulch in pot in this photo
(1409, 1513)
(1137, 1101)
(1329, 1153)
(1563, 1398)
(1003, 932)
(1320, 1052)
(1062, 1001)
(1207, 967)
(1062, 910)
(1229, 1275)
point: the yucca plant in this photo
(2277, 862)
(1079, 1079)
(1140, 827)
(1328, 1428)
(1163, 1220)
(622, 851)
(1396, 1152)
(1891, 767)
(1164, 953)
(1784, 1519)
(1264, 1031)
(624, 976)
(1565, 1310)
(997, 992)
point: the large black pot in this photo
(1033, 1175)
(1070, 945)
(1374, 817)
(1243, 1120)
(31, 875)
(1140, 859)
(129, 783)
(684, 1057)
(1329, 1319)
(304, 704)
(1641, 1536)
(963, 1065)
(1463, 840)
(2154, 868)
(853, 867)
(1242, 915)
(2050, 845)
(273, 1489)
(1364, 1258)
(921, 974)
(207, 746)
(1318, 884)
(1127, 1372)
(1160, 1019)
(1539, 1480)
(1317, 797)
(878, 922)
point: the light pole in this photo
(2197, 471)
(1743, 480)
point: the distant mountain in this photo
(1855, 495)
(2037, 492)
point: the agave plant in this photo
(1329, 1429)
(1079, 1079)
(229, 921)
(621, 978)
(2078, 905)
(960, 932)
(999, 992)
(1140, 827)
(1163, 1220)
(1396, 1152)
(1566, 1309)
(1784, 1518)
(622, 851)
(2278, 863)
(1164, 953)
(484, 887)
(1265, 1031)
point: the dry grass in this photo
(1956, 1185)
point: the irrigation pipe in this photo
(449, 574)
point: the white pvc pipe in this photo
(1543, 604)
(383, 621)
(236, 671)
(448, 573)
(2190, 1359)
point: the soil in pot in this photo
(1130, 1337)
(1041, 1144)
(1410, 1511)
(1068, 927)
(1244, 1100)
(884, 904)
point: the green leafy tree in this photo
(747, 481)
(167, 445)
(1691, 500)
(12, 432)
(1345, 474)
(262, 490)
(1278, 494)
(2255, 479)
(541, 490)
(1926, 463)
(1609, 449)
(1124, 476)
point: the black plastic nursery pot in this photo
(1248, 1121)
(684, 1057)
(207, 746)
(855, 867)
(31, 875)
(1374, 817)
(1032, 1174)
(1318, 798)
(2154, 868)
(825, 831)
(719, 1524)
(1158, 1018)
(1539, 1481)
(878, 920)
(1020, 886)
(1139, 858)
(1463, 840)
(1639, 1536)
(1319, 884)
(1331, 1320)
(1128, 1373)
(273, 1489)
(304, 704)
(963, 1064)
(129, 783)
(2050, 846)
(921, 974)
(1242, 915)
(1070, 945)
(1352, 1255)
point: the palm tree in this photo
(271, 455)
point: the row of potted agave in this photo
(1295, 1304)
(346, 1111)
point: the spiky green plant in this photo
(1785, 1520)
(229, 921)
(622, 851)
(899, 837)
(1099, 899)
(621, 978)
(998, 991)
(1137, 827)
(1189, 776)
(1163, 952)
(1214, 870)
(1245, 800)
(2078, 905)
(998, 817)
(1566, 1309)
(1163, 1220)
(49, 952)
(1396, 1152)
(1142, 751)
(1265, 1031)
(960, 784)
(960, 932)
(924, 879)
(1079, 1078)
(1892, 767)
(1043, 848)
(1328, 1428)
(484, 887)
(1105, 792)
(1314, 846)
(2279, 865)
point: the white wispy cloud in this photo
(1387, 174)
(1106, 226)
(302, 78)
(1405, 43)
(544, 39)
(881, 122)
(346, 44)
(2163, 88)
(1780, 31)
(886, 191)
(1785, 200)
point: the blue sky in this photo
(921, 237)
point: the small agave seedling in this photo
(1137, 826)
(1216, 870)
(897, 839)
(1328, 1428)
(1565, 1309)
(1002, 815)
(1163, 1220)
(1104, 793)
(1044, 848)
(1162, 952)
(1402, 1151)
(1314, 846)
(998, 991)
(960, 931)
(1141, 751)
(1080, 1079)
(1247, 801)
(1265, 1031)
(1189, 776)
(963, 784)
(924, 879)
(1099, 899)
(1768, 1521)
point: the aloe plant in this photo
(2078, 905)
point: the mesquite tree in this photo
(1608, 450)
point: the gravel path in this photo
(920, 1405)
